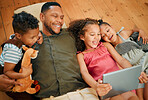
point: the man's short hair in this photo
(47, 6)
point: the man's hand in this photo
(40, 39)
(6, 83)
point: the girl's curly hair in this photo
(77, 28)
(23, 21)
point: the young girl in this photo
(26, 31)
(96, 58)
(127, 48)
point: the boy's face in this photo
(92, 36)
(53, 19)
(108, 34)
(30, 37)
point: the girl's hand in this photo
(103, 89)
(143, 78)
(144, 36)
(27, 71)
(40, 39)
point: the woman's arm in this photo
(116, 56)
(142, 35)
(127, 33)
(101, 89)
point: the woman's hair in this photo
(77, 28)
(23, 22)
(100, 22)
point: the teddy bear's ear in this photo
(25, 48)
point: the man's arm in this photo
(6, 83)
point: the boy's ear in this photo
(82, 37)
(17, 35)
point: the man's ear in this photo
(82, 37)
(18, 36)
(42, 17)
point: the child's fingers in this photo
(138, 37)
(30, 65)
(100, 81)
(40, 38)
(103, 89)
(18, 83)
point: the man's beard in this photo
(49, 29)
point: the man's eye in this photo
(91, 34)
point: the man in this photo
(56, 66)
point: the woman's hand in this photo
(144, 36)
(143, 78)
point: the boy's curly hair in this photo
(22, 22)
(77, 28)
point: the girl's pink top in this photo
(99, 62)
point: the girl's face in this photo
(30, 37)
(91, 36)
(108, 34)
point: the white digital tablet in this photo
(122, 80)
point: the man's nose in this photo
(59, 19)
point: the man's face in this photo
(53, 19)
